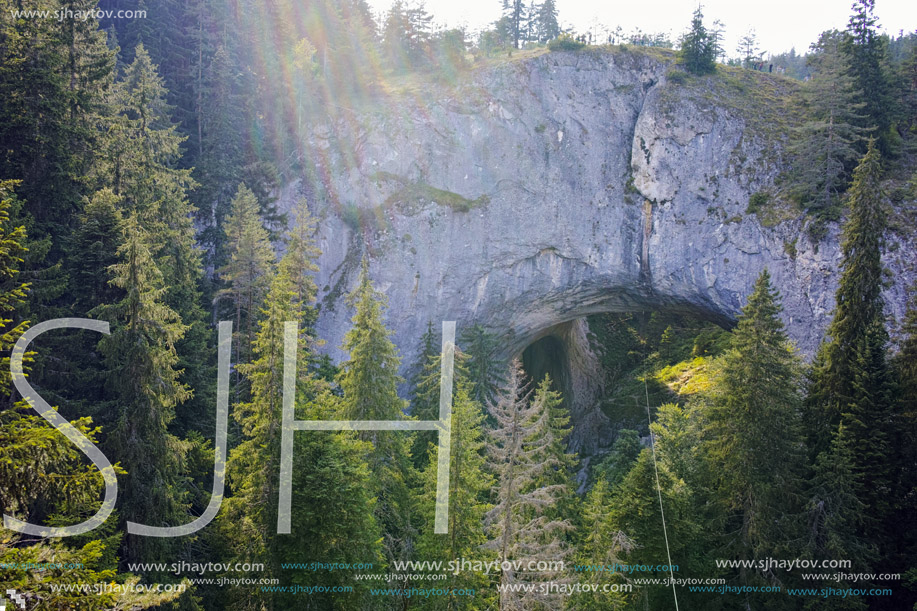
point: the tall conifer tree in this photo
(469, 487)
(753, 432)
(248, 271)
(369, 381)
(144, 382)
(524, 524)
(826, 147)
(851, 378)
(867, 53)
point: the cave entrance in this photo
(548, 356)
(607, 365)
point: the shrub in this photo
(757, 201)
(565, 42)
(677, 76)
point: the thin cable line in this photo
(659, 491)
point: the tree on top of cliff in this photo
(867, 53)
(546, 25)
(698, 49)
(826, 150)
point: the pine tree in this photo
(634, 510)
(602, 546)
(219, 109)
(905, 442)
(485, 368)
(406, 36)
(523, 524)
(717, 35)
(332, 505)
(53, 77)
(867, 53)
(57, 487)
(251, 512)
(869, 419)
(620, 459)
(369, 382)
(425, 392)
(248, 271)
(859, 301)
(546, 24)
(332, 509)
(299, 263)
(94, 244)
(469, 486)
(514, 14)
(558, 464)
(826, 146)
(851, 378)
(698, 52)
(93, 248)
(141, 359)
(753, 432)
(908, 77)
(748, 49)
(836, 517)
(905, 371)
(138, 162)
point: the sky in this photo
(778, 24)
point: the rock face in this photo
(557, 186)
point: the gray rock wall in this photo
(593, 184)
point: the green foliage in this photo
(144, 384)
(248, 271)
(469, 486)
(43, 477)
(748, 49)
(369, 382)
(850, 377)
(753, 433)
(532, 471)
(545, 25)
(13, 292)
(825, 147)
(867, 54)
(89, 559)
(620, 459)
(425, 392)
(53, 80)
(253, 465)
(565, 42)
(836, 515)
(485, 368)
(602, 545)
(697, 50)
(634, 511)
(662, 343)
(677, 77)
(332, 516)
(414, 196)
(757, 201)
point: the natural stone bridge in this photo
(553, 187)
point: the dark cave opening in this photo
(548, 356)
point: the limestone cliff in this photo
(551, 187)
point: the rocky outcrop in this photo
(549, 188)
